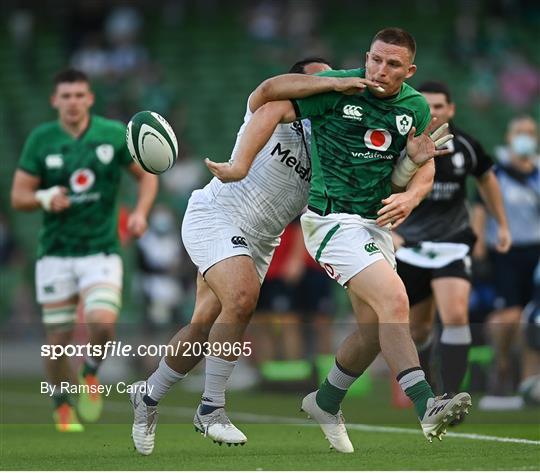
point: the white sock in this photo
(218, 371)
(161, 380)
(456, 335)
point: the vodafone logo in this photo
(379, 139)
(82, 180)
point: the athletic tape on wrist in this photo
(45, 196)
(403, 172)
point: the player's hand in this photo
(137, 224)
(504, 240)
(354, 85)
(423, 147)
(60, 201)
(225, 172)
(397, 207)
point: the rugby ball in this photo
(151, 142)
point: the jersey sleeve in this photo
(29, 161)
(423, 117)
(342, 73)
(483, 162)
(315, 105)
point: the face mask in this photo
(161, 223)
(523, 145)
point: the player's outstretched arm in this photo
(297, 86)
(148, 187)
(399, 205)
(256, 134)
(489, 189)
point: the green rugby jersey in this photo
(90, 168)
(356, 140)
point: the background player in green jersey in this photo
(364, 147)
(71, 169)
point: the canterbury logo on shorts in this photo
(371, 248)
(239, 241)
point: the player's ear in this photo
(53, 100)
(367, 56)
(451, 110)
(91, 99)
(411, 71)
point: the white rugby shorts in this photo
(60, 277)
(210, 236)
(345, 244)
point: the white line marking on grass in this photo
(24, 399)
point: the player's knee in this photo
(59, 320)
(102, 304)
(243, 302)
(399, 307)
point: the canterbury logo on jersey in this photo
(352, 111)
(239, 241)
(292, 162)
(371, 248)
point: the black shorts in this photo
(513, 275)
(276, 296)
(417, 280)
(312, 295)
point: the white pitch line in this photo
(183, 412)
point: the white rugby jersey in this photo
(275, 191)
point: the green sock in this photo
(419, 395)
(329, 397)
(59, 399)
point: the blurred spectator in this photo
(160, 257)
(263, 22)
(519, 179)
(21, 28)
(91, 57)
(519, 81)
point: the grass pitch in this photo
(279, 437)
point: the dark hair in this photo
(435, 87)
(298, 67)
(398, 37)
(70, 75)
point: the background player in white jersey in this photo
(230, 232)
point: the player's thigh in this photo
(379, 286)
(235, 282)
(100, 284)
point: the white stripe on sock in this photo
(339, 379)
(412, 378)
